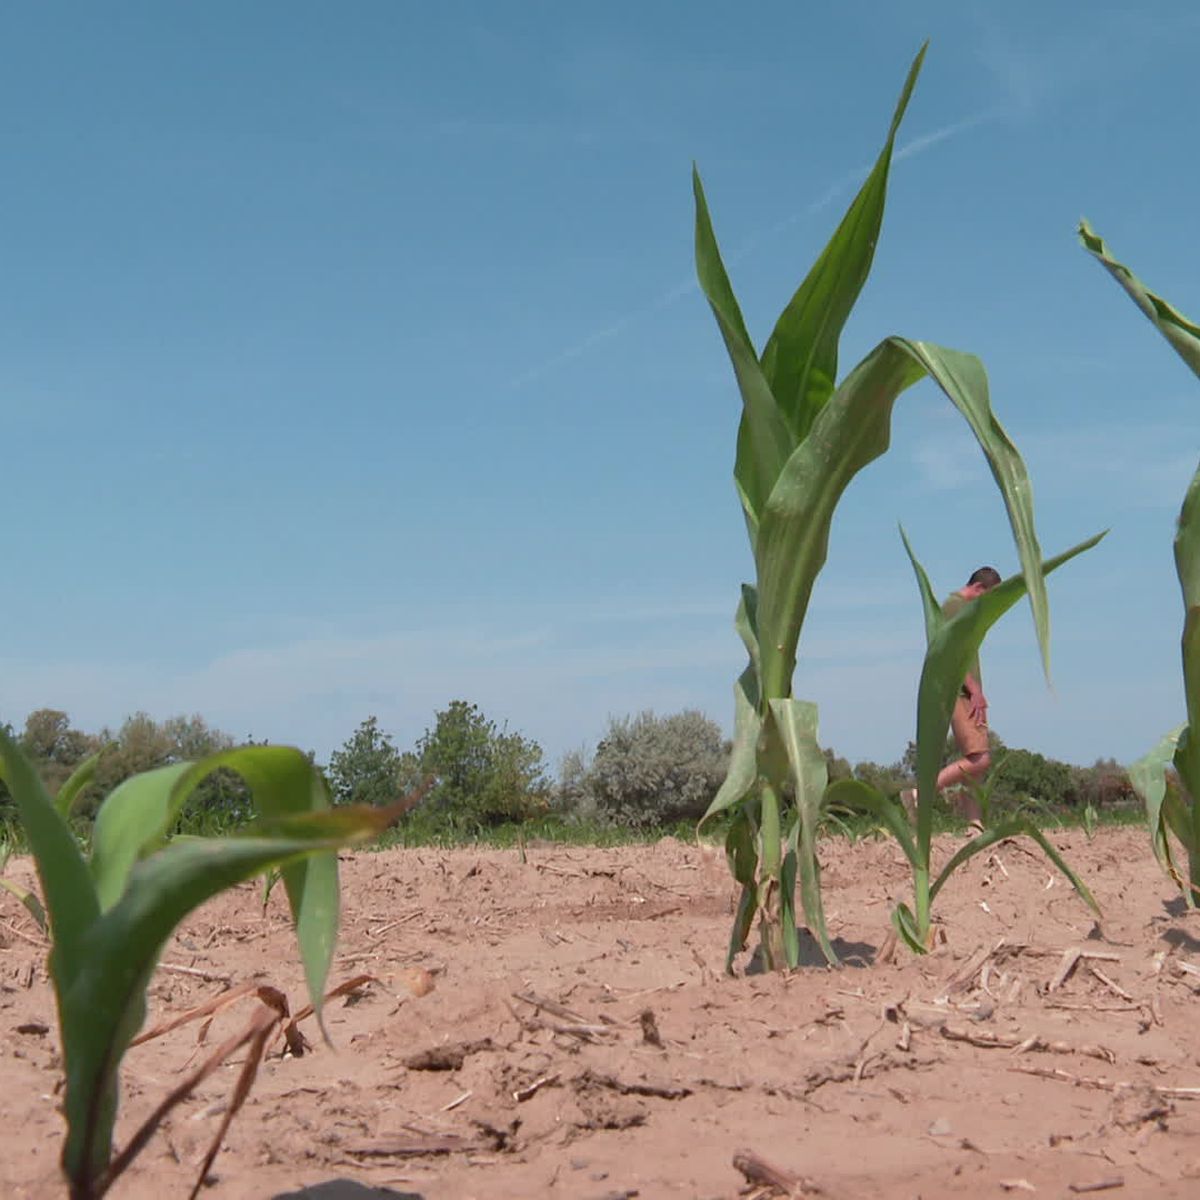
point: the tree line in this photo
(647, 772)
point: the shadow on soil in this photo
(1181, 940)
(852, 954)
(346, 1189)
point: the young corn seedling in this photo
(801, 440)
(952, 644)
(110, 914)
(1172, 803)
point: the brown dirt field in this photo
(859, 1080)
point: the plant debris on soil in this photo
(562, 1026)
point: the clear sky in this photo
(351, 363)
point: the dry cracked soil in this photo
(563, 1027)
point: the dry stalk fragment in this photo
(591, 1078)
(1109, 1085)
(990, 1040)
(758, 1172)
(531, 1090)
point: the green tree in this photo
(55, 748)
(367, 769)
(483, 775)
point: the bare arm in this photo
(975, 699)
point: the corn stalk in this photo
(801, 440)
(1172, 804)
(952, 644)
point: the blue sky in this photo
(351, 363)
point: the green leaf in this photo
(796, 721)
(856, 795)
(75, 785)
(283, 783)
(1187, 753)
(1187, 757)
(787, 910)
(905, 925)
(67, 891)
(851, 431)
(764, 439)
(742, 853)
(103, 1006)
(742, 776)
(746, 624)
(1148, 777)
(32, 905)
(1184, 335)
(134, 819)
(800, 359)
(1011, 828)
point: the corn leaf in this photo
(796, 721)
(104, 1006)
(764, 439)
(742, 853)
(283, 783)
(1184, 335)
(67, 892)
(742, 775)
(29, 901)
(851, 431)
(134, 819)
(1187, 752)
(800, 359)
(905, 925)
(858, 796)
(1148, 777)
(1013, 827)
(746, 624)
(789, 926)
(75, 784)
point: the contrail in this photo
(685, 287)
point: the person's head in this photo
(981, 581)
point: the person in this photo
(969, 721)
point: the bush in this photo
(649, 771)
(572, 795)
(1105, 784)
(1018, 774)
(890, 780)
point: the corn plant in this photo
(110, 914)
(952, 644)
(1172, 803)
(801, 440)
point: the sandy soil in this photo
(591, 1047)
